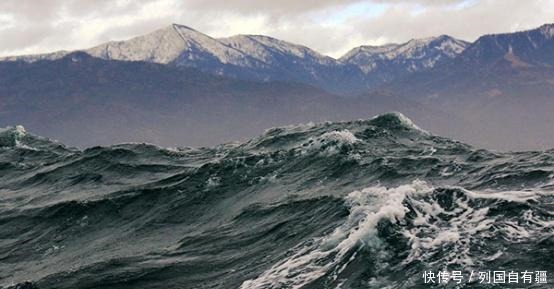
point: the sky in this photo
(331, 27)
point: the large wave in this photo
(362, 204)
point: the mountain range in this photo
(262, 58)
(178, 86)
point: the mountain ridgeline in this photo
(262, 58)
(178, 86)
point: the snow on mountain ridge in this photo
(264, 49)
(547, 30)
(427, 51)
(224, 53)
(160, 46)
(287, 61)
(37, 57)
(176, 44)
(526, 48)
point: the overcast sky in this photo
(331, 27)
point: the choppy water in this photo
(363, 204)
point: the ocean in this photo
(376, 203)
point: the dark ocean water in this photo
(362, 204)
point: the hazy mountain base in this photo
(84, 101)
(361, 204)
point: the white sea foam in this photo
(18, 130)
(330, 142)
(433, 227)
(404, 120)
(213, 182)
(343, 136)
(308, 263)
(17, 133)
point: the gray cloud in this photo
(479, 17)
(422, 2)
(273, 8)
(329, 26)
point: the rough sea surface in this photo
(361, 204)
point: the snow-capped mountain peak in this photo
(176, 44)
(415, 54)
(161, 46)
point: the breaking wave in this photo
(362, 204)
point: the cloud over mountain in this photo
(331, 27)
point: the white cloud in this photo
(329, 26)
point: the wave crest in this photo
(442, 227)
